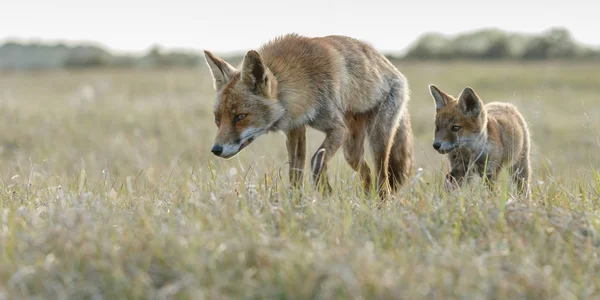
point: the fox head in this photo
(246, 104)
(458, 123)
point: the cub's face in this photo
(458, 123)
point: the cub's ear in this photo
(470, 104)
(254, 71)
(221, 71)
(440, 98)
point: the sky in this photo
(229, 26)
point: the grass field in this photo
(109, 191)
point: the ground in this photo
(109, 190)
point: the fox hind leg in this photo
(401, 154)
(522, 175)
(354, 147)
(523, 178)
(382, 132)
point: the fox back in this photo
(293, 80)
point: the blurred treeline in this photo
(485, 44)
(494, 44)
(28, 56)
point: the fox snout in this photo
(226, 150)
(443, 147)
(229, 150)
(217, 150)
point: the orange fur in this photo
(481, 137)
(335, 84)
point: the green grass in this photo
(114, 194)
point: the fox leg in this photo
(334, 138)
(382, 132)
(522, 169)
(456, 178)
(354, 147)
(489, 174)
(490, 180)
(401, 155)
(296, 147)
(458, 172)
(522, 175)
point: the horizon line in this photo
(240, 51)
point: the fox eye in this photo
(455, 128)
(217, 121)
(239, 117)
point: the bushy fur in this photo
(481, 137)
(335, 84)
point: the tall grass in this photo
(109, 191)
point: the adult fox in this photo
(336, 84)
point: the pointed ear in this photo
(221, 71)
(470, 103)
(254, 71)
(440, 98)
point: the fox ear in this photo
(470, 103)
(254, 71)
(440, 98)
(221, 71)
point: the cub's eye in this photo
(217, 121)
(455, 128)
(239, 117)
(437, 128)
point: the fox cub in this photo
(479, 137)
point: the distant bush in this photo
(157, 57)
(493, 44)
(86, 57)
(21, 56)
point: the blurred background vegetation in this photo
(483, 44)
(494, 44)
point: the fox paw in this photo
(450, 182)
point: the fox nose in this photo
(217, 150)
(437, 145)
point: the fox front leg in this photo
(451, 182)
(332, 143)
(455, 178)
(317, 164)
(296, 147)
(488, 172)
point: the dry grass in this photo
(109, 191)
